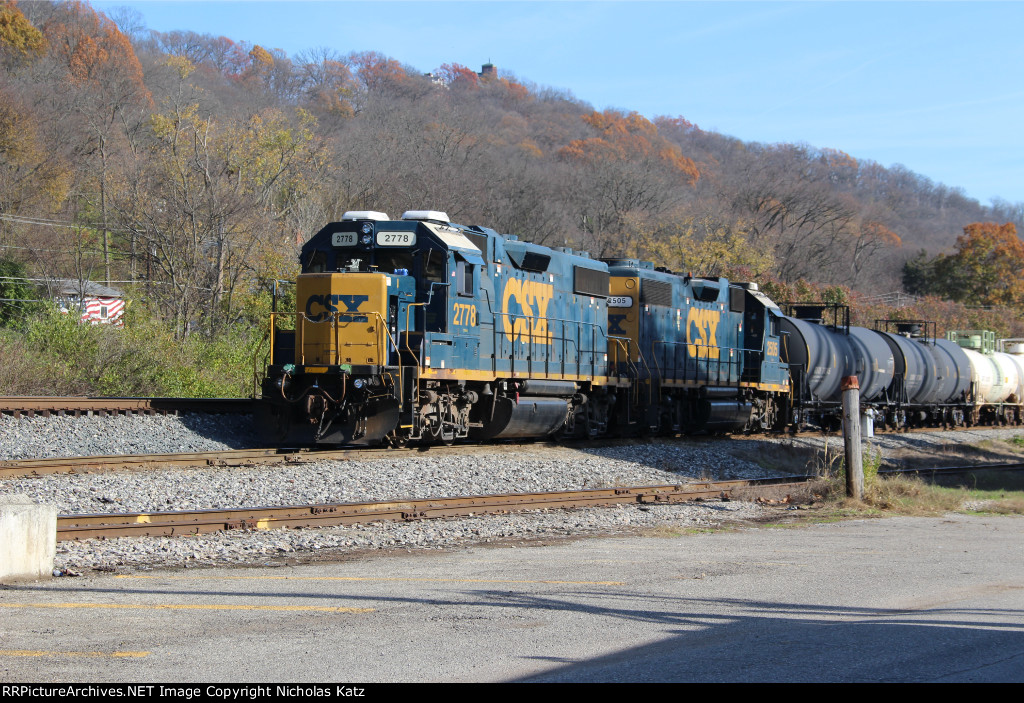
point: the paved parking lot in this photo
(897, 599)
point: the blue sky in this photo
(935, 86)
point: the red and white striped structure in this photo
(98, 305)
(103, 311)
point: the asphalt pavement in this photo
(893, 599)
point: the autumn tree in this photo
(32, 179)
(624, 167)
(702, 246)
(211, 196)
(20, 40)
(458, 76)
(327, 84)
(986, 269)
(103, 80)
(794, 214)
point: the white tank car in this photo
(1014, 349)
(997, 376)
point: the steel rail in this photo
(26, 468)
(45, 406)
(23, 468)
(1011, 466)
(164, 524)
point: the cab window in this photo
(317, 262)
(434, 267)
(464, 278)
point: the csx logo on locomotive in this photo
(327, 304)
(530, 321)
(701, 326)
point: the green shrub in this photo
(17, 295)
(142, 358)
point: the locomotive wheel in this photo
(396, 440)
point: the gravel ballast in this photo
(54, 436)
(480, 470)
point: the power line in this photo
(114, 253)
(51, 280)
(65, 224)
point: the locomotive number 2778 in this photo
(465, 315)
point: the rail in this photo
(45, 406)
(74, 527)
(18, 468)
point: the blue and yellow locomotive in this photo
(421, 329)
(703, 353)
(418, 329)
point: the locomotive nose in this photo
(342, 318)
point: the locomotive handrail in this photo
(595, 327)
(697, 357)
(387, 333)
(333, 318)
(635, 378)
(578, 324)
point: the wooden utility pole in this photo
(851, 437)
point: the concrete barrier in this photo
(28, 539)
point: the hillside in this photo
(194, 166)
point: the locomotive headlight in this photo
(367, 238)
(358, 383)
(367, 228)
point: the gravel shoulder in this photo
(481, 470)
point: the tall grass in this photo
(52, 354)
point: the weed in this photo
(828, 464)
(1007, 506)
(672, 531)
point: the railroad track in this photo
(951, 470)
(177, 523)
(77, 527)
(45, 406)
(26, 468)
(23, 468)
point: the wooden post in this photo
(851, 437)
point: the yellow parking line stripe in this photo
(174, 606)
(370, 578)
(44, 653)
